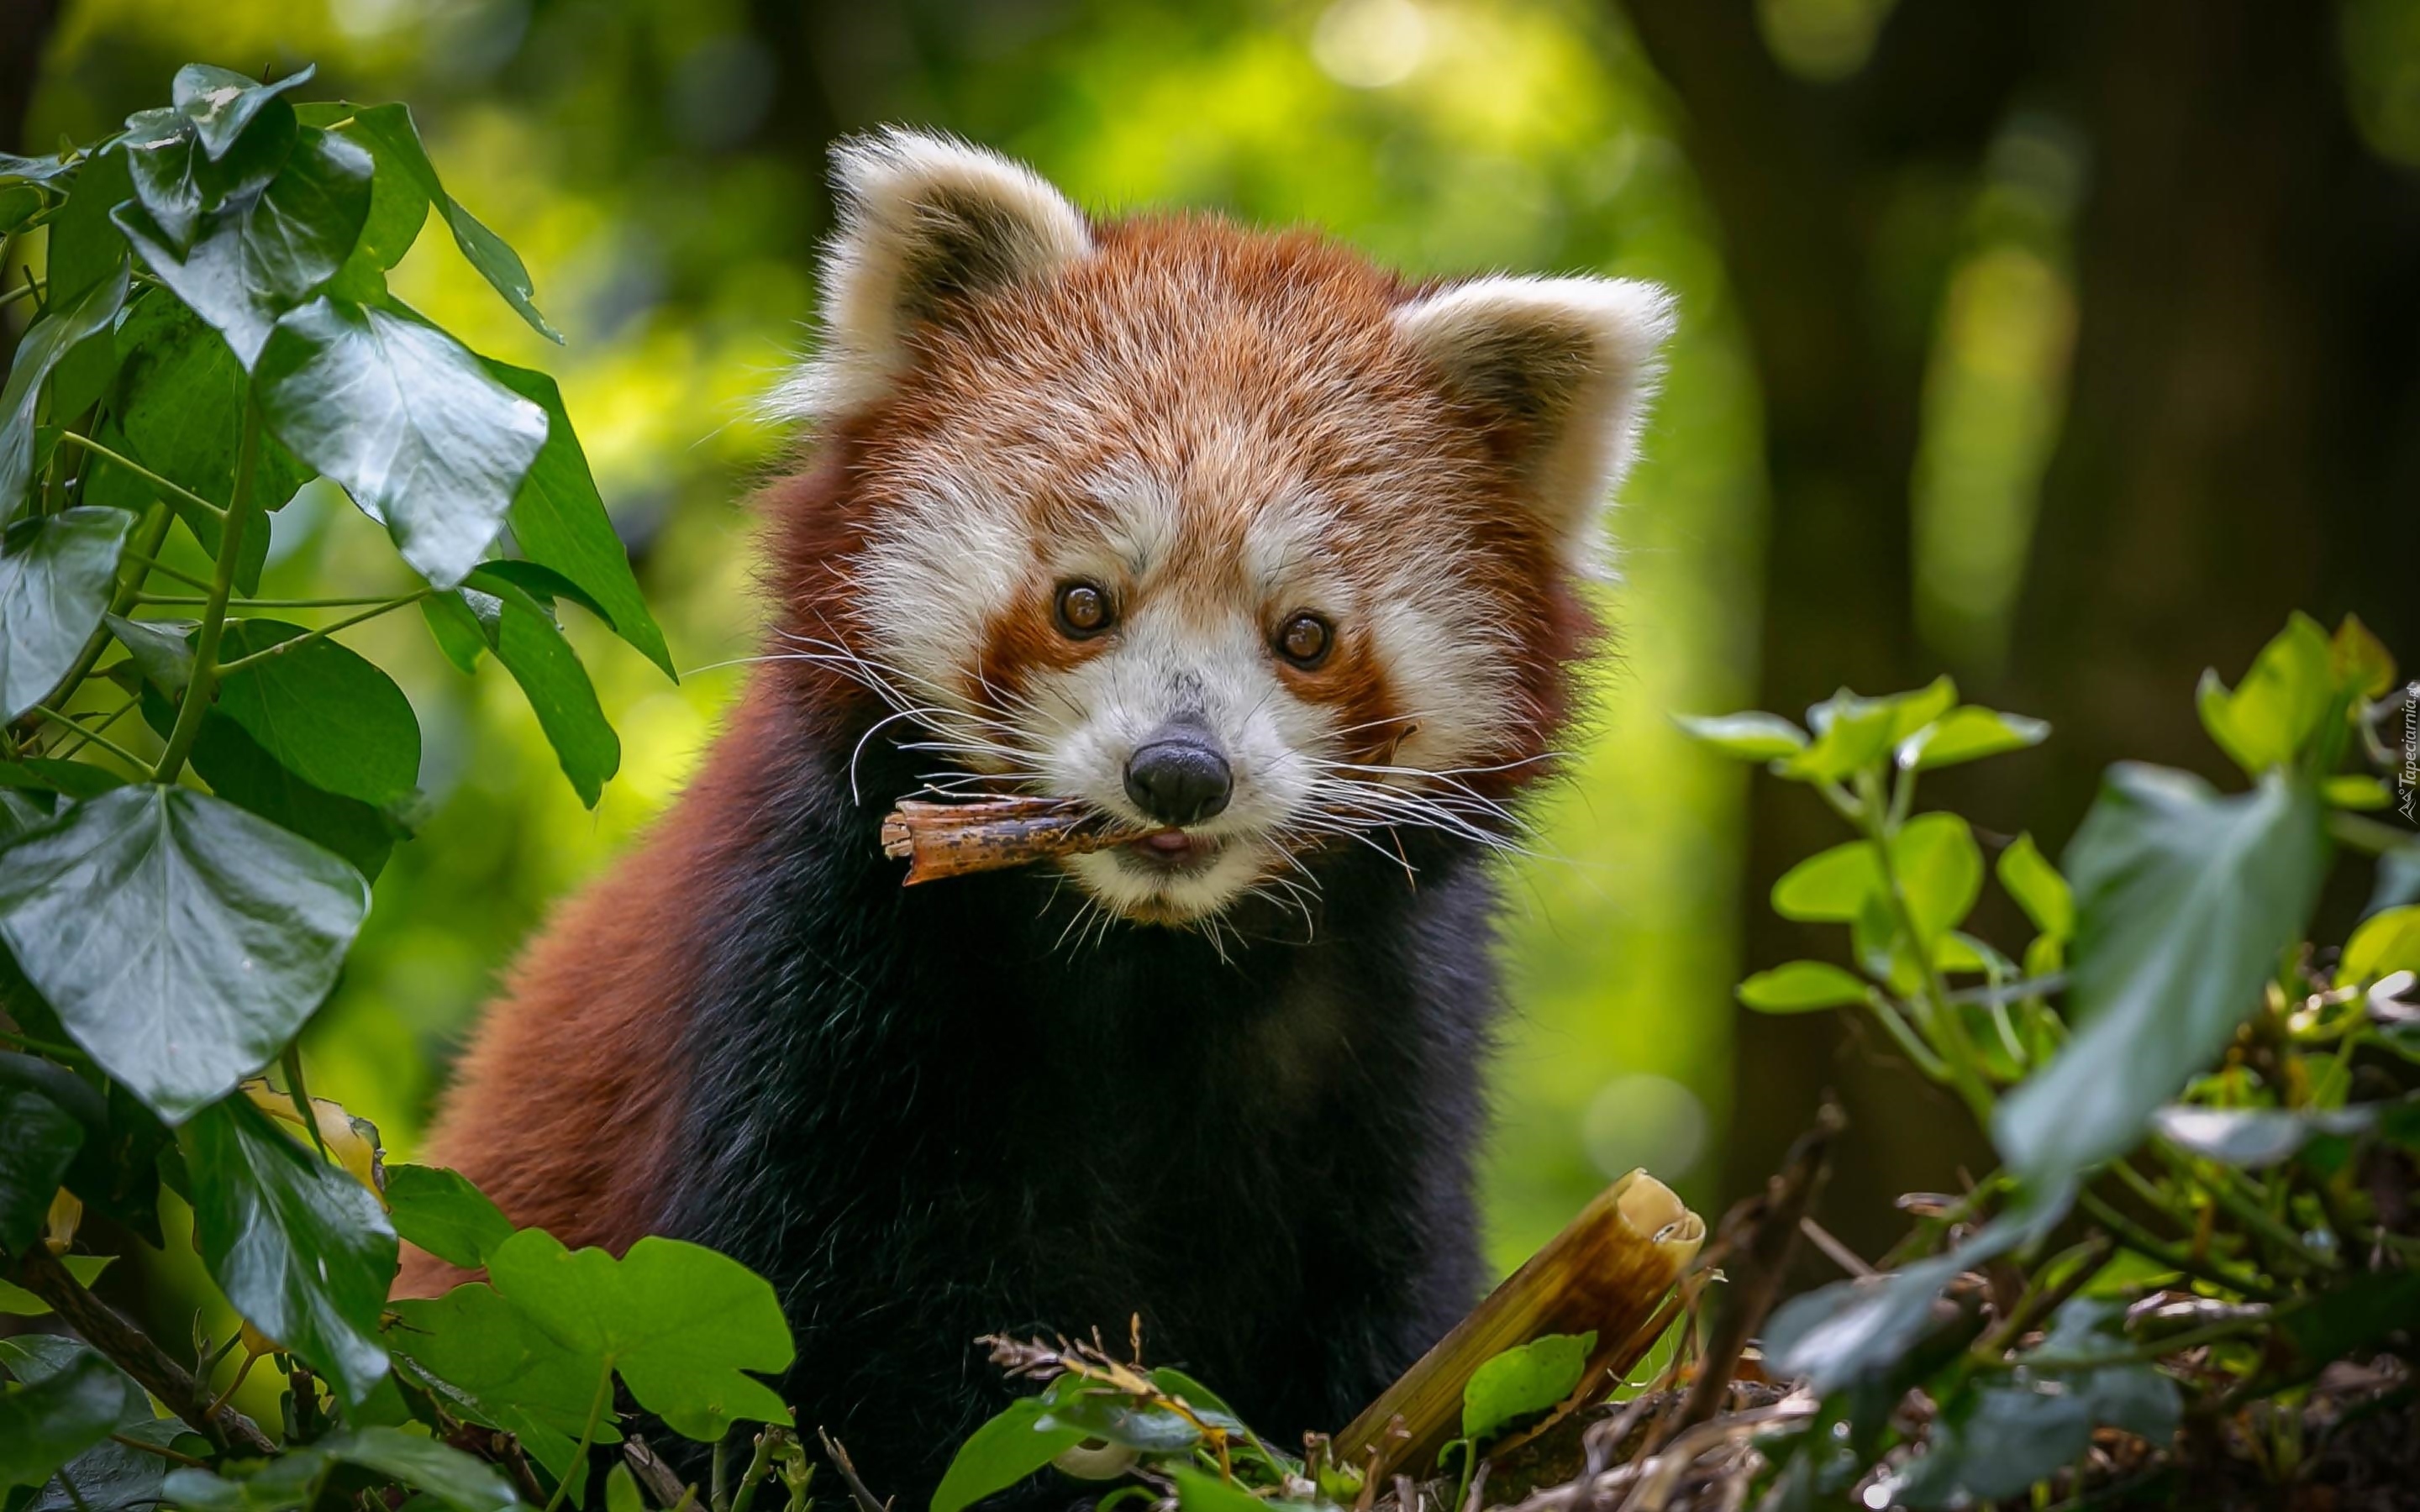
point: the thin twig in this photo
(865, 1500)
(1837, 1253)
(131, 1350)
(175, 490)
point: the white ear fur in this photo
(923, 219)
(1572, 361)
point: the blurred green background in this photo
(2062, 346)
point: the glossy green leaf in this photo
(1940, 871)
(181, 940)
(398, 198)
(1862, 1330)
(1831, 886)
(1523, 1380)
(503, 1370)
(559, 521)
(327, 715)
(407, 419)
(1852, 733)
(178, 182)
(456, 628)
(258, 257)
(1108, 1415)
(1799, 987)
(160, 650)
(38, 1140)
(389, 132)
(2268, 717)
(2038, 889)
(116, 1476)
(86, 246)
(1968, 734)
(445, 1215)
(2252, 1139)
(2386, 942)
(221, 103)
(48, 1422)
(56, 574)
(681, 1324)
(77, 779)
(531, 645)
(1202, 1490)
(1751, 736)
(2184, 900)
(997, 1456)
(302, 1249)
(69, 323)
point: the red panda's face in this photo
(1230, 536)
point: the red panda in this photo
(1225, 533)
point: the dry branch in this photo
(949, 840)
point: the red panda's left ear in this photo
(1564, 369)
(925, 223)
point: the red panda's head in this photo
(1219, 531)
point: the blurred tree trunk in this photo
(2240, 437)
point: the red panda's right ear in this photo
(924, 219)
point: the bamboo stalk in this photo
(1606, 1272)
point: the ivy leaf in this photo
(1799, 987)
(239, 771)
(1529, 1378)
(504, 1370)
(407, 419)
(181, 941)
(86, 245)
(1968, 734)
(2184, 900)
(560, 523)
(302, 1250)
(114, 1477)
(70, 321)
(39, 1141)
(322, 711)
(1010, 1447)
(391, 133)
(56, 574)
(160, 650)
(258, 257)
(220, 103)
(526, 639)
(681, 1323)
(46, 1423)
(2276, 709)
(443, 1214)
(1751, 736)
(2038, 889)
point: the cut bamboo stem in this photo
(950, 839)
(1607, 1271)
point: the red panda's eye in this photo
(1084, 610)
(1304, 641)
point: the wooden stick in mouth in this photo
(951, 840)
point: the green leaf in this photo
(2184, 900)
(2386, 942)
(1865, 1330)
(531, 645)
(1829, 886)
(407, 419)
(2355, 791)
(1202, 1490)
(324, 712)
(111, 1476)
(2267, 720)
(239, 770)
(1852, 733)
(56, 574)
(1112, 1416)
(1522, 1380)
(681, 1323)
(445, 1215)
(1751, 736)
(1997, 1437)
(221, 103)
(2038, 889)
(622, 1490)
(17, 1302)
(258, 257)
(504, 1370)
(399, 199)
(1968, 734)
(181, 940)
(445, 1475)
(69, 323)
(2361, 663)
(46, 1423)
(161, 650)
(455, 629)
(38, 1140)
(2252, 1139)
(1002, 1452)
(302, 1250)
(1800, 986)
(1940, 870)
(77, 779)
(559, 521)
(86, 246)
(389, 132)
(177, 183)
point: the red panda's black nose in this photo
(1178, 777)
